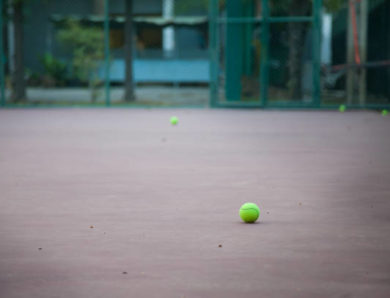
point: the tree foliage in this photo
(188, 6)
(55, 70)
(87, 44)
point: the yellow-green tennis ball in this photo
(249, 212)
(174, 120)
(384, 112)
(342, 108)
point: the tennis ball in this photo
(384, 112)
(342, 108)
(174, 120)
(249, 212)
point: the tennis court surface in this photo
(119, 203)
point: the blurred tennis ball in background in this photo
(384, 112)
(174, 120)
(342, 108)
(249, 212)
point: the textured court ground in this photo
(162, 199)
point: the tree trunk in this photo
(129, 82)
(296, 40)
(18, 81)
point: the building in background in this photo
(169, 48)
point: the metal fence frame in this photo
(265, 20)
(214, 22)
(2, 58)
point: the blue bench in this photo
(161, 71)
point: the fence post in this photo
(264, 74)
(2, 56)
(107, 52)
(213, 52)
(316, 55)
(364, 8)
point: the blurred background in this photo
(250, 53)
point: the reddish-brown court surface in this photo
(119, 203)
